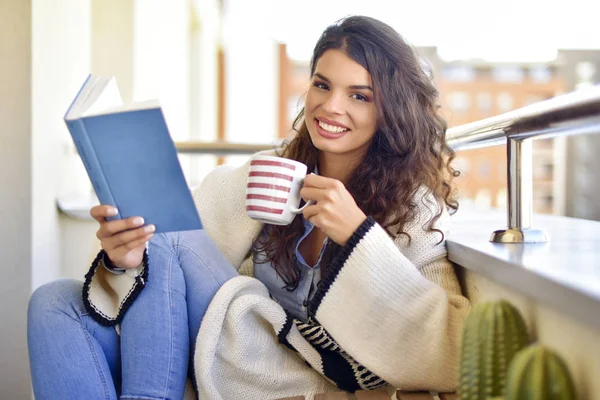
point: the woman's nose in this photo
(333, 104)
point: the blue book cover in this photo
(131, 159)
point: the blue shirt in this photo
(294, 302)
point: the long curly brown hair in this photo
(408, 152)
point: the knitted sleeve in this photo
(107, 295)
(394, 309)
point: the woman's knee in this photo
(63, 296)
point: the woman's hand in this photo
(123, 240)
(335, 212)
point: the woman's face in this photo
(340, 110)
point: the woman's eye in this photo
(360, 97)
(320, 85)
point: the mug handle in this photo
(299, 210)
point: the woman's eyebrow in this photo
(354, 87)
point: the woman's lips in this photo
(332, 123)
(327, 134)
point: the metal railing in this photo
(221, 148)
(565, 115)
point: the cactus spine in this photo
(538, 373)
(493, 333)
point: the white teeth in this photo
(331, 128)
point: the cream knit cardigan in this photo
(387, 311)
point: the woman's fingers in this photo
(121, 252)
(124, 240)
(101, 212)
(130, 255)
(129, 238)
(335, 212)
(110, 228)
(141, 242)
(311, 193)
(317, 181)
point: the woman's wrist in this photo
(108, 264)
(352, 229)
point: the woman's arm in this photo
(396, 307)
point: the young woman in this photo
(356, 293)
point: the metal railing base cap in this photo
(514, 235)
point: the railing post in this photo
(520, 183)
(520, 196)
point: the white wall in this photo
(44, 48)
(15, 195)
(61, 61)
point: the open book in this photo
(130, 157)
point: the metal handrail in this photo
(222, 148)
(565, 115)
(544, 119)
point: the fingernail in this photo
(113, 211)
(138, 221)
(149, 228)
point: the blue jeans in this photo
(73, 357)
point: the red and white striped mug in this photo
(273, 189)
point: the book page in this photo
(100, 96)
(107, 97)
(142, 105)
(84, 95)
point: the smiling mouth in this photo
(331, 128)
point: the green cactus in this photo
(538, 373)
(493, 333)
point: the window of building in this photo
(483, 169)
(585, 72)
(484, 101)
(508, 73)
(540, 74)
(459, 101)
(459, 73)
(505, 101)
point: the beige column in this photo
(252, 73)
(16, 194)
(113, 42)
(205, 38)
